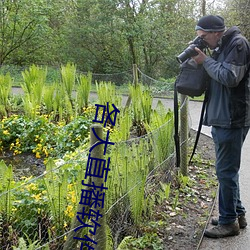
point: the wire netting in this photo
(40, 211)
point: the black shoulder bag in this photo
(191, 81)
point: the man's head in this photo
(211, 29)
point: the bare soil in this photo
(187, 223)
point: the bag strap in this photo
(176, 126)
(199, 127)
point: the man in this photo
(228, 112)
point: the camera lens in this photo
(187, 53)
(190, 51)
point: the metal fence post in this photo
(184, 135)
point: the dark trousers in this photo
(228, 145)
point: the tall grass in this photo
(83, 91)
(106, 92)
(161, 132)
(68, 74)
(141, 103)
(5, 90)
(6, 184)
(33, 86)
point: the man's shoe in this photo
(221, 231)
(241, 219)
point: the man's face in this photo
(211, 38)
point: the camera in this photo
(190, 51)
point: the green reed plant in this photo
(161, 132)
(56, 184)
(135, 92)
(146, 102)
(48, 98)
(129, 171)
(117, 178)
(141, 105)
(5, 90)
(137, 175)
(83, 90)
(33, 85)
(62, 106)
(106, 92)
(6, 184)
(68, 74)
(122, 128)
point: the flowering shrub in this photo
(42, 137)
(31, 208)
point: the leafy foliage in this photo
(42, 137)
(5, 90)
(51, 199)
(102, 36)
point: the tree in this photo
(108, 36)
(20, 22)
(31, 31)
(237, 13)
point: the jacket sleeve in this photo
(234, 66)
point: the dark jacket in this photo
(228, 103)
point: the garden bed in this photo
(179, 221)
(185, 225)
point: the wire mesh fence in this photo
(38, 214)
(158, 87)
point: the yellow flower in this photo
(73, 199)
(14, 209)
(37, 196)
(38, 155)
(31, 186)
(17, 152)
(6, 132)
(45, 151)
(69, 211)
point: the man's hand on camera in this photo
(200, 58)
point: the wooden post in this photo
(100, 236)
(184, 135)
(135, 74)
(135, 82)
(97, 152)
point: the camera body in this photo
(190, 51)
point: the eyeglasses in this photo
(203, 36)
